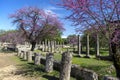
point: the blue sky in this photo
(10, 6)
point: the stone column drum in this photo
(21, 54)
(37, 58)
(25, 55)
(19, 51)
(65, 66)
(49, 62)
(29, 56)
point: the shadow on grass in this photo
(7, 51)
(29, 69)
(50, 77)
(77, 56)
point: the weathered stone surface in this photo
(37, 58)
(43, 46)
(29, 56)
(87, 47)
(76, 71)
(49, 62)
(110, 78)
(48, 46)
(97, 45)
(85, 74)
(21, 54)
(65, 66)
(79, 45)
(18, 53)
(25, 55)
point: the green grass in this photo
(99, 66)
(31, 70)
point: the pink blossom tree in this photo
(12, 36)
(35, 23)
(103, 15)
(72, 40)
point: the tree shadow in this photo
(30, 69)
(50, 77)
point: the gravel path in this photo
(8, 69)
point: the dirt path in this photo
(5, 60)
(8, 69)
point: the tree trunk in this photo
(33, 45)
(116, 58)
(110, 48)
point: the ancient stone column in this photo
(88, 47)
(49, 46)
(65, 66)
(63, 44)
(49, 62)
(60, 47)
(21, 55)
(58, 44)
(54, 46)
(19, 52)
(79, 46)
(29, 56)
(97, 45)
(25, 55)
(37, 58)
(43, 46)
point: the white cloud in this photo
(52, 12)
(63, 36)
(49, 11)
(53, 8)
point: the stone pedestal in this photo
(21, 54)
(25, 55)
(37, 58)
(19, 51)
(49, 62)
(49, 46)
(66, 66)
(29, 56)
(43, 46)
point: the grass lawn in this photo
(31, 70)
(101, 67)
